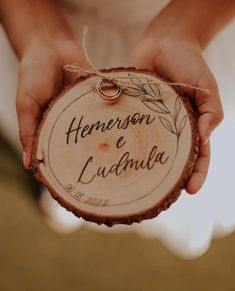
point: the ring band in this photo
(108, 97)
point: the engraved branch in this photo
(151, 91)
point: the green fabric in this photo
(34, 258)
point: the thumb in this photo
(78, 59)
(35, 89)
(29, 113)
(209, 106)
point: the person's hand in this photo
(41, 78)
(180, 60)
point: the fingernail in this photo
(207, 137)
(26, 160)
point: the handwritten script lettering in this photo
(124, 164)
(78, 129)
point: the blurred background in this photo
(190, 247)
(35, 257)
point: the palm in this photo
(181, 62)
(41, 78)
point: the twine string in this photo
(93, 70)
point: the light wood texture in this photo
(117, 162)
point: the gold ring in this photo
(111, 97)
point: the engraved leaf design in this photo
(182, 124)
(136, 81)
(135, 92)
(166, 123)
(152, 88)
(177, 108)
(157, 89)
(136, 86)
(155, 106)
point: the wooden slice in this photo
(121, 161)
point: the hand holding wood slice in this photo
(117, 151)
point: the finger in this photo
(36, 87)
(209, 107)
(78, 59)
(29, 114)
(71, 77)
(200, 172)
